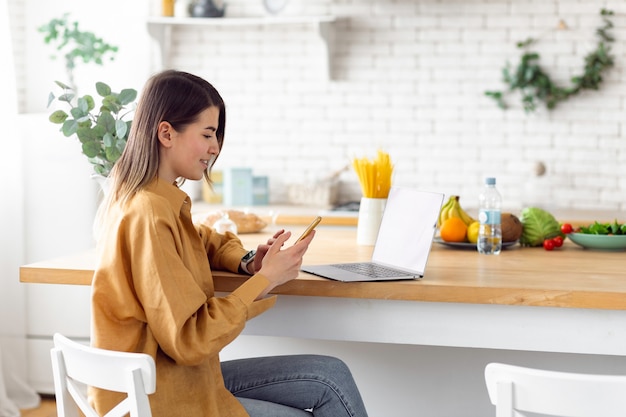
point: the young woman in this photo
(153, 290)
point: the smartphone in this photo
(309, 229)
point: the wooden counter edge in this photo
(397, 290)
(31, 274)
(52, 272)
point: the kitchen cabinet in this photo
(161, 28)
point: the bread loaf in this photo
(246, 222)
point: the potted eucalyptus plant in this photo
(102, 131)
(100, 127)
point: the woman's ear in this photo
(165, 132)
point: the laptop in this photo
(403, 244)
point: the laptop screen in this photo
(407, 229)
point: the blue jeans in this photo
(294, 386)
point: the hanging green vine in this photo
(535, 84)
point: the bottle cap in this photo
(490, 181)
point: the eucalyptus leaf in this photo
(127, 96)
(91, 149)
(78, 113)
(62, 85)
(113, 154)
(120, 128)
(120, 144)
(112, 104)
(108, 140)
(100, 169)
(58, 117)
(69, 127)
(51, 98)
(103, 89)
(91, 104)
(83, 104)
(86, 133)
(66, 97)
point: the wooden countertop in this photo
(567, 277)
(302, 215)
(283, 215)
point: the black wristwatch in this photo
(245, 261)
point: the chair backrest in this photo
(76, 366)
(517, 391)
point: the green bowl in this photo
(603, 242)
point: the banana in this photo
(467, 219)
(443, 213)
(452, 208)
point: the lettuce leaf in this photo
(604, 228)
(539, 225)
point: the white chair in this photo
(76, 366)
(517, 391)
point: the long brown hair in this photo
(173, 96)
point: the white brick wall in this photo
(409, 77)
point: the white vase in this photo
(103, 182)
(370, 216)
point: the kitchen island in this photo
(570, 282)
(570, 301)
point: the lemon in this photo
(472, 232)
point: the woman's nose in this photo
(214, 146)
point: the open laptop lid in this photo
(407, 229)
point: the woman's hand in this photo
(282, 265)
(261, 251)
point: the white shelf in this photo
(160, 28)
(239, 21)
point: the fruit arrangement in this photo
(534, 228)
(541, 229)
(456, 225)
(454, 222)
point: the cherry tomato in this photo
(558, 241)
(566, 228)
(548, 244)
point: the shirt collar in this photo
(174, 195)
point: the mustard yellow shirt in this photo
(153, 293)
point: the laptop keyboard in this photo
(371, 270)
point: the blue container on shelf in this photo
(238, 187)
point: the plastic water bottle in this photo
(490, 232)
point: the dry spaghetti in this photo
(374, 175)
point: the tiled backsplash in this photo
(409, 77)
